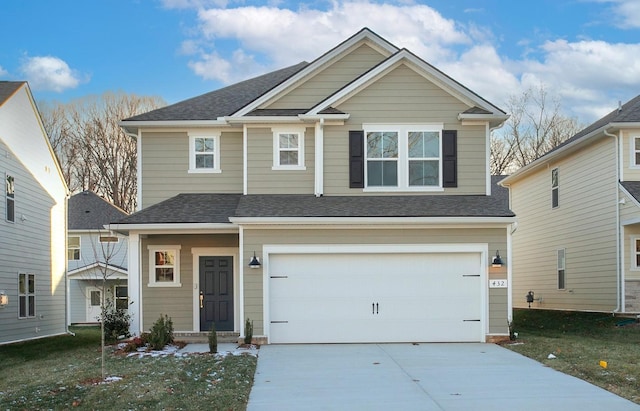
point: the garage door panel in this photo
(375, 297)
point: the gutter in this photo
(619, 262)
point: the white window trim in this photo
(403, 156)
(634, 265)
(216, 152)
(27, 294)
(74, 248)
(152, 265)
(632, 151)
(563, 268)
(276, 147)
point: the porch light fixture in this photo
(254, 263)
(497, 261)
(4, 299)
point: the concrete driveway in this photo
(416, 377)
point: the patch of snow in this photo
(551, 356)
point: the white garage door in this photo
(335, 298)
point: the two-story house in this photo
(97, 258)
(344, 200)
(577, 244)
(33, 222)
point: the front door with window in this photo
(216, 293)
(94, 300)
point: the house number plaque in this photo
(497, 283)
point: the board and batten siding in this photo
(329, 79)
(262, 179)
(176, 302)
(584, 224)
(255, 239)
(165, 167)
(403, 96)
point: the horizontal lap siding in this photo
(263, 180)
(256, 239)
(330, 79)
(176, 302)
(584, 224)
(630, 172)
(165, 167)
(403, 96)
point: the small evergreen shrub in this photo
(116, 323)
(213, 339)
(161, 333)
(248, 331)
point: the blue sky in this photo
(586, 52)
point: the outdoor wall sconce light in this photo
(530, 298)
(4, 299)
(254, 263)
(497, 261)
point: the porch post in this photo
(134, 285)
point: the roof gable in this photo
(7, 88)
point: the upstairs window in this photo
(26, 295)
(288, 149)
(403, 157)
(73, 248)
(554, 188)
(164, 266)
(10, 202)
(561, 269)
(635, 151)
(204, 153)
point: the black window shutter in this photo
(449, 158)
(356, 159)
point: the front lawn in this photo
(64, 372)
(580, 341)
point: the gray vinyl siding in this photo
(255, 239)
(79, 295)
(25, 247)
(177, 303)
(403, 96)
(92, 250)
(165, 167)
(584, 224)
(330, 79)
(261, 179)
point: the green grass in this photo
(64, 372)
(580, 341)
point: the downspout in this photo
(619, 263)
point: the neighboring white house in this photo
(33, 222)
(97, 257)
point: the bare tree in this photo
(94, 152)
(535, 126)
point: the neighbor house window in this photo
(108, 239)
(10, 195)
(204, 154)
(635, 151)
(561, 269)
(288, 149)
(403, 157)
(122, 297)
(554, 188)
(164, 266)
(26, 295)
(73, 248)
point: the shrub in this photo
(161, 333)
(248, 331)
(213, 339)
(116, 323)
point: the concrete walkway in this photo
(410, 377)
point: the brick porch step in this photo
(203, 337)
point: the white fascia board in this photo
(329, 119)
(374, 222)
(173, 123)
(363, 35)
(118, 273)
(261, 119)
(181, 228)
(495, 120)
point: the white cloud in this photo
(3, 72)
(627, 13)
(49, 73)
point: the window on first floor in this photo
(26, 295)
(164, 266)
(561, 269)
(122, 297)
(73, 248)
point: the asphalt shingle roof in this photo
(88, 211)
(7, 88)
(222, 102)
(633, 187)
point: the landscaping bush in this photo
(161, 333)
(116, 323)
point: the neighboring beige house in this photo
(33, 222)
(344, 200)
(97, 258)
(577, 242)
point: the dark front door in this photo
(216, 293)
